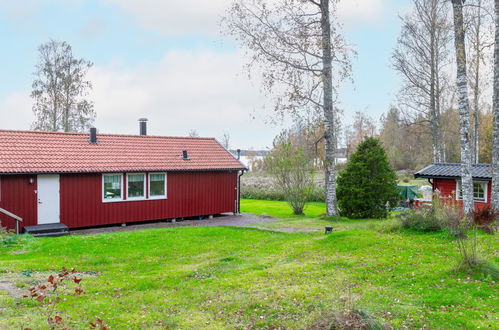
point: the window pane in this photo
(479, 191)
(112, 186)
(459, 190)
(135, 185)
(157, 185)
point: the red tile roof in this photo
(55, 152)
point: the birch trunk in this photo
(464, 114)
(495, 150)
(435, 127)
(329, 115)
(434, 88)
(476, 84)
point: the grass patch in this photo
(223, 277)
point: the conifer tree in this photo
(368, 183)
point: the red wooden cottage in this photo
(446, 178)
(83, 180)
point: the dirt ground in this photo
(220, 220)
(10, 288)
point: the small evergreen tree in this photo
(368, 183)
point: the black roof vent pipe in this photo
(238, 154)
(93, 135)
(143, 126)
(185, 155)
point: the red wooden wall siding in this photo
(18, 196)
(189, 194)
(448, 188)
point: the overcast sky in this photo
(165, 60)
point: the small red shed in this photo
(446, 178)
(84, 180)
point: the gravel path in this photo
(221, 220)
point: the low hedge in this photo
(272, 194)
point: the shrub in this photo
(3, 232)
(349, 316)
(349, 319)
(422, 219)
(6, 237)
(390, 225)
(318, 194)
(271, 194)
(486, 219)
(294, 174)
(368, 183)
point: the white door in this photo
(48, 199)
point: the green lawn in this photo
(222, 277)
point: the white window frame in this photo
(128, 198)
(165, 196)
(486, 191)
(110, 200)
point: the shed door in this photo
(48, 199)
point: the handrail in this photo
(15, 217)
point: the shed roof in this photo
(453, 170)
(56, 152)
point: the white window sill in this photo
(134, 199)
(131, 199)
(112, 200)
(475, 200)
(157, 197)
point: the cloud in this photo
(177, 17)
(180, 17)
(202, 90)
(93, 28)
(15, 111)
(361, 11)
(26, 9)
(199, 90)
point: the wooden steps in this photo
(47, 230)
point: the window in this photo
(112, 187)
(157, 185)
(479, 191)
(136, 186)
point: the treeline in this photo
(409, 144)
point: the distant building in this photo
(446, 178)
(249, 157)
(341, 156)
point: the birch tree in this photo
(363, 126)
(302, 57)
(225, 141)
(480, 41)
(463, 105)
(60, 90)
(495, 144)
(193, 133)
(420, 58)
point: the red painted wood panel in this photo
(18, 196)
(189, 194)
(447, 189)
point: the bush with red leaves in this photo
(48, 294)
(486, 219)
